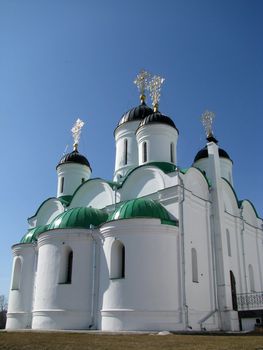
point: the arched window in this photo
(233, 290)
(194, 265)
(117, 260)
(172, 152)
(251, 278)
(228, 242)
(125, 151)
(17, 274)
(62, 185)
(66, 265)
(144, 152)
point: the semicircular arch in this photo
(95, 193)
(142, 182)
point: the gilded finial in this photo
(207, 119)
(76, 131)
(141, 81)
(154, 87)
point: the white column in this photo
(228, 317)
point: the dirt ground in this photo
(99, 341)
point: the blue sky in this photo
(60, 60)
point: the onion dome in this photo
(142, 208)
(203, 153)
(74, 157)
(157, 118)
(33, 233)
(79, 217)
(137, 113)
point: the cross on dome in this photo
(142, 81)
(76, 131)
(154, 87)
(207, 119)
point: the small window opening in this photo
(172, 152)
(66, 265)
(69, 268)
(194, 266)
(117, 261)
(62, 185)
(125, 151)
(144, 152)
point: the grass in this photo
(100, 341)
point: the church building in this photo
(157, 248)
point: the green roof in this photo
(65, 200)
(33, 233)
(79, 217)
(142, 207)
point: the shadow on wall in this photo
(3, 311)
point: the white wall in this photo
(226, 168)
(95, 193)
(48, 211)
(148, 297)
(64, 306)
(158, 138)
(125, 131)
(73, 173)
(21, 291)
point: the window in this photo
(66, 264)
(17, 274)
(125, 151)
(228, 242)
(233, 290)
(144, 152)
(62, 185)
(194, 265)
(117, 260)
(251, 278)
(172, 152)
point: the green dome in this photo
(141, 207)
(33, 233)
(79, 217)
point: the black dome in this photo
(157, 118)
(137, 113)
(74, 157)
(203, 153)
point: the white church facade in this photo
(157, 248)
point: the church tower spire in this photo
(73, 168)
(125, 138)
(202, 161)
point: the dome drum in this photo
(157, 143)
(202, 162)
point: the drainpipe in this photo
(93, 278)
(243, 248)
(214, 268)
(181, 233)
(206, 318)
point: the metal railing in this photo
(250, 301)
